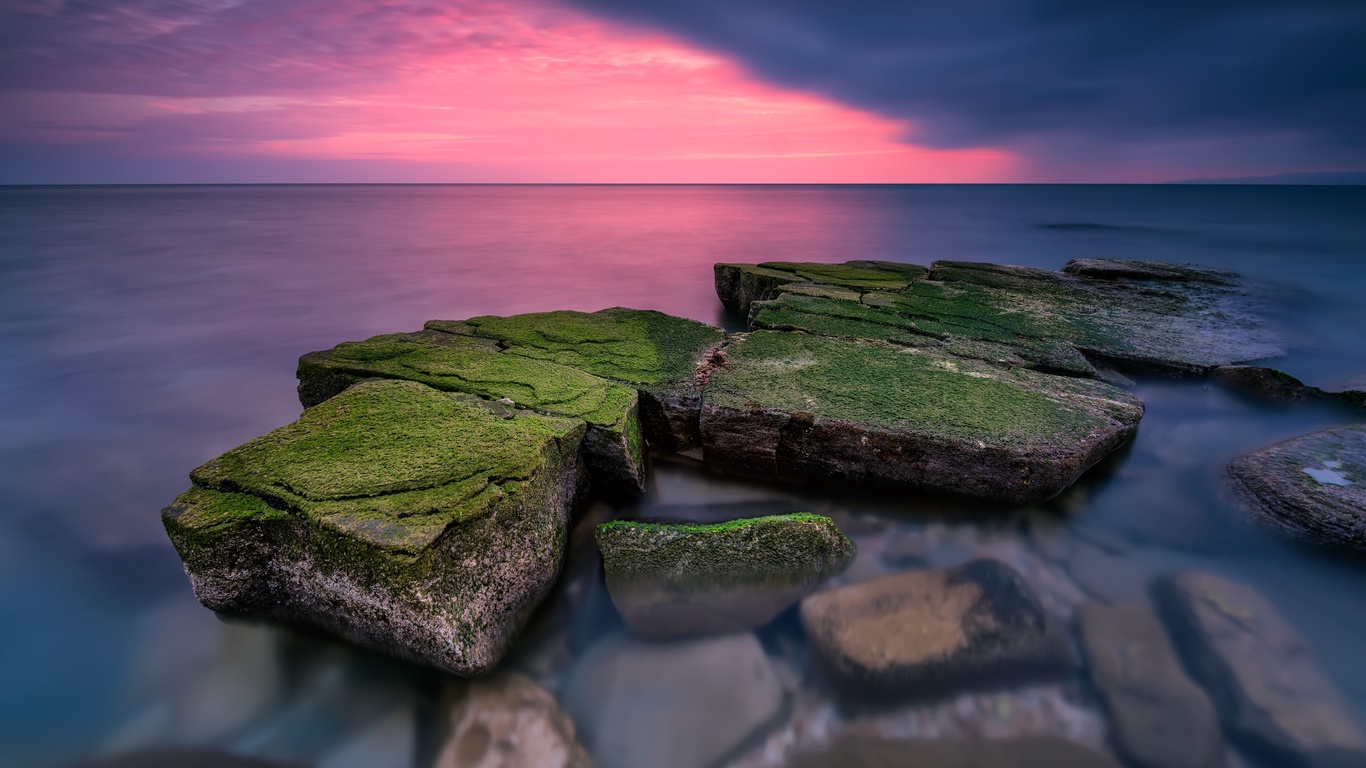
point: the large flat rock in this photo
(809, 408)
(1312, 488)
(927, 632)
(1273, 696)
(1135, 313)
(413, 521)
(675, 580)
(1161, 718)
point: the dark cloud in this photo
(1279, 77)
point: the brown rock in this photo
(1161, 718)
(1272, 695)
(922, 632)
(1032, 752)
(507, 721)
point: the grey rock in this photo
(685, 704)
(1312, 488)
(507, 721)
(1161, 719)
(1272, 695)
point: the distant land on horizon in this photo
(1343, 178)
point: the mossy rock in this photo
(417, 522)
(476, 366)
(739, 286)
(655, 353)
(808, 408)
(676, 580)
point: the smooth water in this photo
(144, 330)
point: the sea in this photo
(146, 329)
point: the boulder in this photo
(412, 521)
(1161, 719)
(808, 408)
(454, 363)
(1028, 752)
(1312, 488)
(675, 580)
(507, 721)
(683, 704)
(927, 632)
(1273, 697)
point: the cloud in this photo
(1242, 82)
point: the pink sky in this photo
(464, 91)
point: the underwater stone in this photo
(929, 632)
(1312, 488)
(807, 408)
(507, 721)
(1274, 698)
(676, 580)
(454, 363)
(415, 522)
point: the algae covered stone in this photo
(1312, 488)
(674, 580)
(475, 366)
(807, 408)
(416, 522)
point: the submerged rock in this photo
(405, 519)
(683, 704)
(508, 721)
(925, 632)
(1161, 719)
(674, 580)
(1273, 696)
(1032, 752)
(1312, 488)
(807, 408)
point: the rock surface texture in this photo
(1312, 488)
(1273, 697)
(405, 519)
(927, 632)
(637, 703)
(1161, 719)
(508, 721)
(679, 580)
(1035, 752)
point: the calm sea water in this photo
(144, 330)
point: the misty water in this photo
(145, 330)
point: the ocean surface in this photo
(144, 330)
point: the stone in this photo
(1161, 719)
(415, 522)
(1273, 697)
(1311, 488)
(682, 704)
(507, 721)
(807, 408)
(677, 580)
(923, 633)
(612, 446)
(1029, 752)
(654, 353)
(1266, 384)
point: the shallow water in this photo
(144, 330)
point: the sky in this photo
(704, 91)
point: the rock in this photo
(1161, 719)
(1267, 384)
(926, 632)
(1312, 488)
(508, 721)
(1271, 693)
(405, 519)
(676, 580)
(807, 408)
(683, 704)
(1144, 314)
(1033, 752)
(612, 447)
(654, 353)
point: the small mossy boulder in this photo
(677, 580)
(416, 522)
